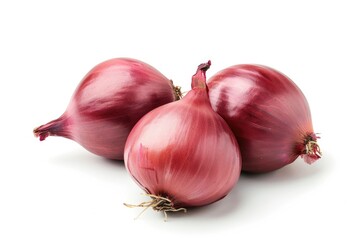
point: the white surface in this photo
(57, 190)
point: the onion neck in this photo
(55, 127)
(199, 78)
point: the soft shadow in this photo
(113, 162)
(88, 163)
(219, 209)
(254, 196)
(296, 171)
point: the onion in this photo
(183, 154)
(107, 103)
(268, 114)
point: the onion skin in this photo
(107, 103)
(184, 151)
(268, 114)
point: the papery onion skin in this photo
(268, 114)
(184, 151)
(107, 103)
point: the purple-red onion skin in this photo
(184, 151)
(107, 103)
(268, 114)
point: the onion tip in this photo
(52, 128)
(42, 135)
(199, 78)
(204, 66)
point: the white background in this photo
(57, 190)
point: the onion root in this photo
(311, 151)
(157, 203)
(177, 91)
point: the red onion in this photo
(107, 103)
(183, 154)
(268, 114)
